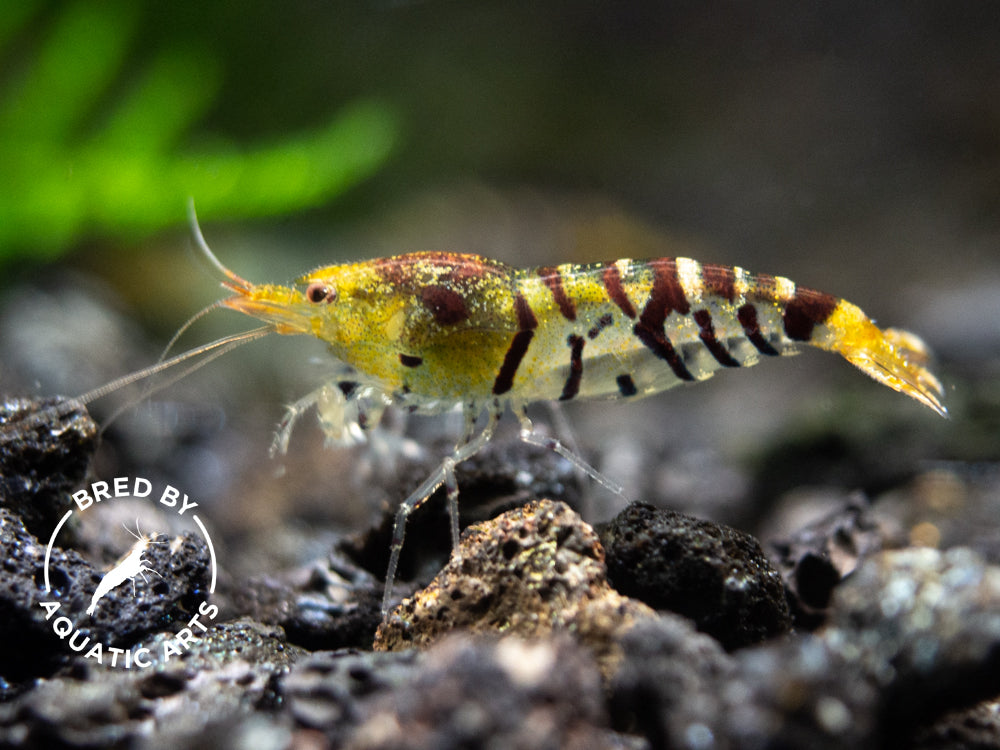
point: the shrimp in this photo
(126, 568)
(433, 331)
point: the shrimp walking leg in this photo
(279, 446)
(528, 435)
(469, 446)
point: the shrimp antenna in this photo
(207, 251)
(187, 324)
(214, 349)
(224, 345)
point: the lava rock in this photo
(326, 692)
(799, 693)
(715, 575)
(507, 693)
(45, 448)
(529, 572)
(322, 606)
(22, 586)
(120, 617)
(241, 641)
(821, 554)
(228, 671)
(668, 680)
(679, 688)
(912, 634)
(925, 625)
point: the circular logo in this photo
(133, 564)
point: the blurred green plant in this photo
(91, 142)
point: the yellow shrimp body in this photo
(437, 329)
(431, 331)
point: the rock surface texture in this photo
(531, 572)
(658, 630)
(712, 574)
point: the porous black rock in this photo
(195, 700)
(45, 448)
(119, 619)
(913, 635)
(713, 574)
(668, 680)
(327, 691)
(332, 604)
(22, 587)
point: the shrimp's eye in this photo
(318, 292)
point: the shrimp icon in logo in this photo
(126, 568)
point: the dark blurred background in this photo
(852, 146)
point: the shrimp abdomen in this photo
(633, 328)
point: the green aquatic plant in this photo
(96, 135)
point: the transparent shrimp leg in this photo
(468, 446)
(562, 427)
(528, 435)
(346, 411)
(279, 446)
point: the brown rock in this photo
(528, 572)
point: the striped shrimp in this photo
(434, 331)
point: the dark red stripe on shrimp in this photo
(806, 310)
(626, 386)
(706, 333)
(527, 322)
(666, 296)
(572, 386)
(719, 280)
(747, 316)
(612, 281)
(553, 280)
